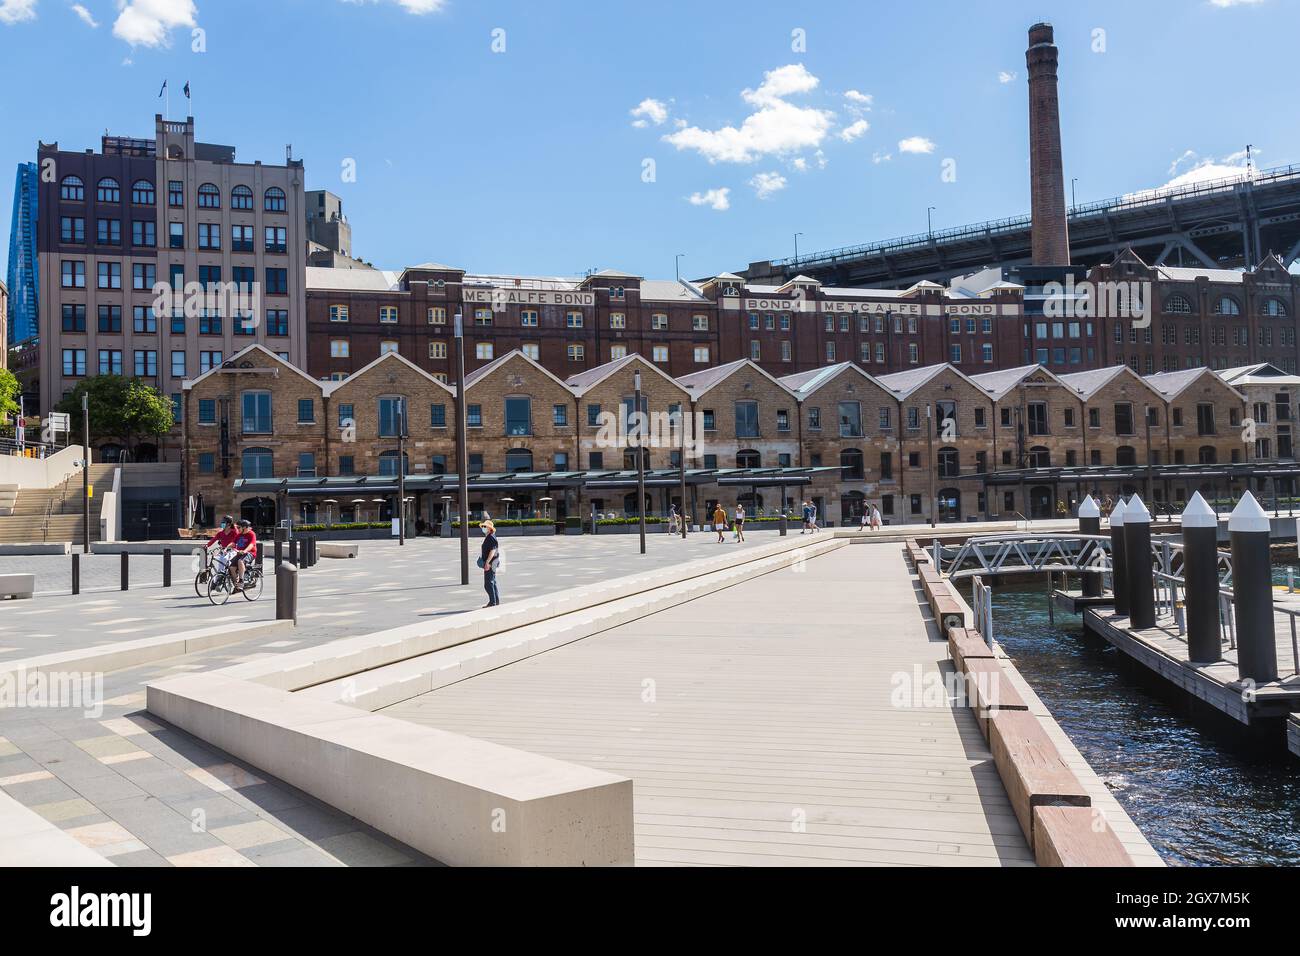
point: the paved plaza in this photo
(144, 794)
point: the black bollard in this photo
(1090, 523)
(167, 567)
(76, 573)
(286, 592)
(1252, 591)
(1118, 566)
(784, 523)
(1137, 558)
(126, 583)
(1201, 580)
(295, 547)
(311, 552)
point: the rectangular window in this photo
(388, 313)
(277, 239)
(438, 416)
(437, 315)
(747, 419)
(576, 352)
(700, 323)
(306, 411)
(207, 411)
(618, 352)
(110, 318)
(701, 355)
(241, 238)
(658, 321)
(346, 418)
(209, 235)
(814, 419)
(850, 420)
(277, 322)
(755, 350)
(519, 416)
(346, 465)
(483, 350)
(340, 348)
(109, 232)
(175, 194)
(617, 320)
(208, 361)
(277, 281)
(72, 229)
(1123, 418)
(110, 362)
(573, 320)
(532, 350)
(560, 415)
(391, 415)
(474, 416)
(256, 413)
(437, 350)
(176, 235)
(74, 362)
(593, 416)
(178, 364)
(528, 318)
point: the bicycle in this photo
(205, 572)
(221, 581)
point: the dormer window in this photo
(730, 290)
(616, 292)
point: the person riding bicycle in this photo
(226, 535)
(245, 545)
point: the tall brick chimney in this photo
(1050, 231)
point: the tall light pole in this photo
(681, 463)
(796, 247)
(640, 459)
(401, 472)
(85, 472)
(462, 455)
(929, 227)
(929, 450)
(677, 264)
(1073, 202)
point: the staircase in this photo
(55, 514)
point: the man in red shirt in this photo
(226, 535)
(245, 545)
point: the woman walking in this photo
(719, 521)
(740, 522)
(489, 560)
(875, 518)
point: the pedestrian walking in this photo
(490, 560)
(865, 520)
(740, 522)
(672, 520)
(875, 518)
(807, 518)
(719, 521)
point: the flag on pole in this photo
(187, 89)
(163, 90)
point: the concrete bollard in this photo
(76, 573)
(784, 523)
(1137, 558)
(286, 592)
(1118, 566)
(167, 567)
(1252, 591)
(1090, 523)
(126, 572)
(1201, 580)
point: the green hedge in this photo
(649, 519)
(510, 522)
(351, 526)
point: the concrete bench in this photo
(338, 549)
(17, 585)
(1076, 836)
(1032, 769)
(990, 691)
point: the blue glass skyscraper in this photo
(23, 280)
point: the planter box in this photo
(538, 530)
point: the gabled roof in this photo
(1086, 384)
(804, 384)
(331, 387)
(798, 281)
(255, 347)
(669, 290)
(1172, 384)
(699, 383)
(433, 267)
(352, 280)
(472, 377)
(998, 384)
(583, 382)
(906, 382)
(1263, 373)
(611, 274)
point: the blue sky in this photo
(833, 119)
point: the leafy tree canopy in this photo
(120, 407)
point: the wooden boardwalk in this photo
(758, 725)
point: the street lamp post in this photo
(929, 447)
(677, 264)
(85, 472)
(462, 455)
(929, 228)
(1074, 204)
(681, 464)
(401, 472)
(796, 247)
(640, 459)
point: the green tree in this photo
(9, 389)
(120, 407)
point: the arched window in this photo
(1125, 455)
(1207, 455)
(274, 200)
(241, 197)
(851, 465)
(1178, 303)
(748, 458)
(108, 190)
(519, 460)
(72, 188)
(209, 197)
(1275, 308)
(142, 193)
(1040, 457)
(388, 464)
(1227, 305)
(949, 463)
(258, 463)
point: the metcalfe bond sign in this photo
(502, 297)
(870, 308)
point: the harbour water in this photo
(1200, 791)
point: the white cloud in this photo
(149, 22)
(879, 156)
(1224, 4)
(915, 144)
(85, 15)
(16, 11)
(860, 100)
(800, 164)
(1201, 170)
(417, 7)
(768, 184)
(1005, 77)
(775, 128)
(650, 111)
(854, 130)
(716, 199)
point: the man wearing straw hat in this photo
(489, 560)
